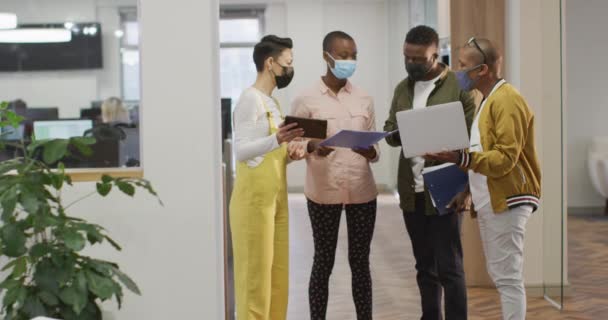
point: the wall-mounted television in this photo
(83, 51)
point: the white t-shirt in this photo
(422, 91)
(477, 181)
(251, 126)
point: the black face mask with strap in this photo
(417, 71)
(284, 79)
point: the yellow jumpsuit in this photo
(259, 220)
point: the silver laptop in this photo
(433, 129)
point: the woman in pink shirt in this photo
(338, 179)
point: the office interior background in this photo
(179, 66)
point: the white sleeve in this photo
(251, 138)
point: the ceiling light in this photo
(34, 35)
(8, 20)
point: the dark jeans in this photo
(438, 252)
(360, 222)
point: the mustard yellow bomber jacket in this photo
(509, 159)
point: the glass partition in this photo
(71, 69)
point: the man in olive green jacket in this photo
(435, 239)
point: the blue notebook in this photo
(444, 182)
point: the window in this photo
(129, 54)
(240, 30)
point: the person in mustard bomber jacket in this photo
(504, 173)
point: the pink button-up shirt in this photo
(344, 176)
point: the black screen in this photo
(82, 52)
(226, 118)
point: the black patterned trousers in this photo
(360, 222)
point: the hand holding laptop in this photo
(444, 156)
(434, 130)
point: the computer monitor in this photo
(9, 133)
(91, 114)
(61, 129)
(36, 114)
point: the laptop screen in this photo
(61, 129)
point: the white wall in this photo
(586, 70)
(68, 90)
(173, 252)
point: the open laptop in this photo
(433, 129)
(61, 129)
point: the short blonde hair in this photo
(112, 110)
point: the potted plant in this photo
(47, 274)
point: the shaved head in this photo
(489, 54)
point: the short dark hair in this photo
(330, 37)
(269, 46)
(422, 35)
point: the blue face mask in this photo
(464, 81)
(343, 69)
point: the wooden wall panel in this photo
(480, 19)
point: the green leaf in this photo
(45, 276)
(90, 312)
(126, 188)
(40, 250)
(45, 220)
(100, 286)
(101, 267)
(33, 307)
(55, 150)
(83, 145)
(113, 243)
(13, 240)
(10, 283)
(35, 145)
(93, 234)
(9, 165)
(48, 298)
(80, 281)
(74, 240)
(20, 267)
(74, 298)
(13, 119)
(9, 203)
(89, 141)
(29, 201)
(14, 295)
(127, 281)
(57, 181)
(106, 178)
(104, 188)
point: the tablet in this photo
(313, 128)
(433, 129)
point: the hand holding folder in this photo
(444, 182)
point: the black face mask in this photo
(417, 71)
(284, 79)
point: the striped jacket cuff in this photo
(524, 199)
(465, 159)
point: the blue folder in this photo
(444, 183)
(355, 139)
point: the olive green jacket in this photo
(446, 90)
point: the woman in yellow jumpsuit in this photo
(258, 208)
